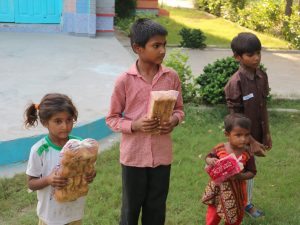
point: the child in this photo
(228, 199)
(145, 158)
(246, 92)
(57, 113)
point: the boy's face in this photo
(250, 60)
(154, 50)
(238, 137)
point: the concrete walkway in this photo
(282, 66)
(35, 64)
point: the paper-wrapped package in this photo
(78, 159)
(224, 168)
(162, 104)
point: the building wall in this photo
(105, 12)
(79, 17)
(149, 6)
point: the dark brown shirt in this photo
(247, 93)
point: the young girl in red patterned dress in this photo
(228, 199)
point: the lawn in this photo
(276, 184)
(219, 32)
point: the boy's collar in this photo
(134, 71)
(249, 74)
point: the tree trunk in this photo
(288, 7)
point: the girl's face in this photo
(238, 137)
(60, 126)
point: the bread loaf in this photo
(77, 160)
(162, 104)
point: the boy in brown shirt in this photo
(246, 92)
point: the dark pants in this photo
(145, 188)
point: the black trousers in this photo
(146, 189)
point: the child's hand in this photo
(211, 161)
(257, 148)
(236, 177)
(57, 181)
(269, 142)
(90, 177)
(167, 127)
(145, 125)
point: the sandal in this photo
(253, 212)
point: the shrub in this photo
(178, 61)
(226, 8)
(292, 31)
(124, 24)
(125, 8)
(192, 38)
(214, 78)
(264, 16)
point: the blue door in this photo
(30, 11)
(37, 11)
(7, 11)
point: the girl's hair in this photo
(50, 104)
(236, 119)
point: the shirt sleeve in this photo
(178, 108)
(35, 164)
(115, 119)
(250, 165)
(233, 95)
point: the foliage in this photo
(226, 8)
(214, 78)
(124, 24)
(178, 61)
(125, 8)
(192, 38)
(264, 16)
(230, 9)
(292, 32)
(211, 6)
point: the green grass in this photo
(276, 184)
(219, 32)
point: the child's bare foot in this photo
(253, 212)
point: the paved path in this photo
(283, 67)
(34, 64)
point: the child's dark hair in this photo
(245, 42)
(236, 119)
(50, 104)
(143, 29)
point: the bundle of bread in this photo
(78, 159)
(162, 104)
(224, 168)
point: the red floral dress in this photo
(230, 197)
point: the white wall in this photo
(178, 3)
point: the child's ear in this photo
(136, 48)
(237, 57)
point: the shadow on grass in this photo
(174, 38)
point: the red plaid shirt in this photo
(129, 101)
